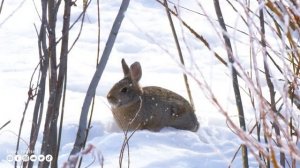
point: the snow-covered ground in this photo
(144, 36)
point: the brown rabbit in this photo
(149, 107)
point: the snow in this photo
(144, 36)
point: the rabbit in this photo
(152, 108)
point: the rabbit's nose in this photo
(108, 96)
(111, 99)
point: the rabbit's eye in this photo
(124, 90)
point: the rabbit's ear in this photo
(136, 71)
(125, 68)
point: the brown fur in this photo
(150, 107)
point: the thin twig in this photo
(198, 36)
(234, 156)
(4, 125)
(126, 138)
(81, 133)
(97, 61)
(235, 83)
(98, 31)
(81, 25)
(39, 102)
(12, 13)
(193, 11)
(269, 82)
(30, 95)
(1, 6)
(126, 144)
(179, 52)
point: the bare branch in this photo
(235, 83)
(81, 133)
(179, 52)
(4, 125)
(1, 6)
